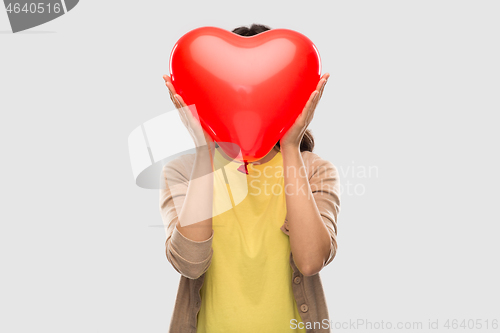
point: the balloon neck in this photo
(243, 168)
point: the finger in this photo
(320, 91)
(170, 87)
(187, 110)
(189, 114)
(171, 96)
(169, 90)
(307, 108)
(175, 101)
(321, 85)
(316, 100)
(312, 99)
(312, 107)
(179, 98)
(168, 83)
(178, 103)
(172, 99)
(167, 79)
(322, 88)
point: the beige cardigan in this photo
(192, 259)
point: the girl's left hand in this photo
(293, 136)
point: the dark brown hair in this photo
(307, 142)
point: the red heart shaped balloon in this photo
(247, 91)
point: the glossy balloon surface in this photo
(246, 90)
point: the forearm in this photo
(195, 217)
(309, 237)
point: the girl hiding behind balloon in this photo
(249, 239)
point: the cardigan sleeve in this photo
(323, 179)
(325, 186)
(188, 257)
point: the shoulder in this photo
(180, 165)
(310, 156)
(315, 164)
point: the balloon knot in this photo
(244, 168)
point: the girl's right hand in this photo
(195, 208)
(199, 135)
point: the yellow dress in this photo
(248, 286)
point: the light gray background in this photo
(413, 92)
